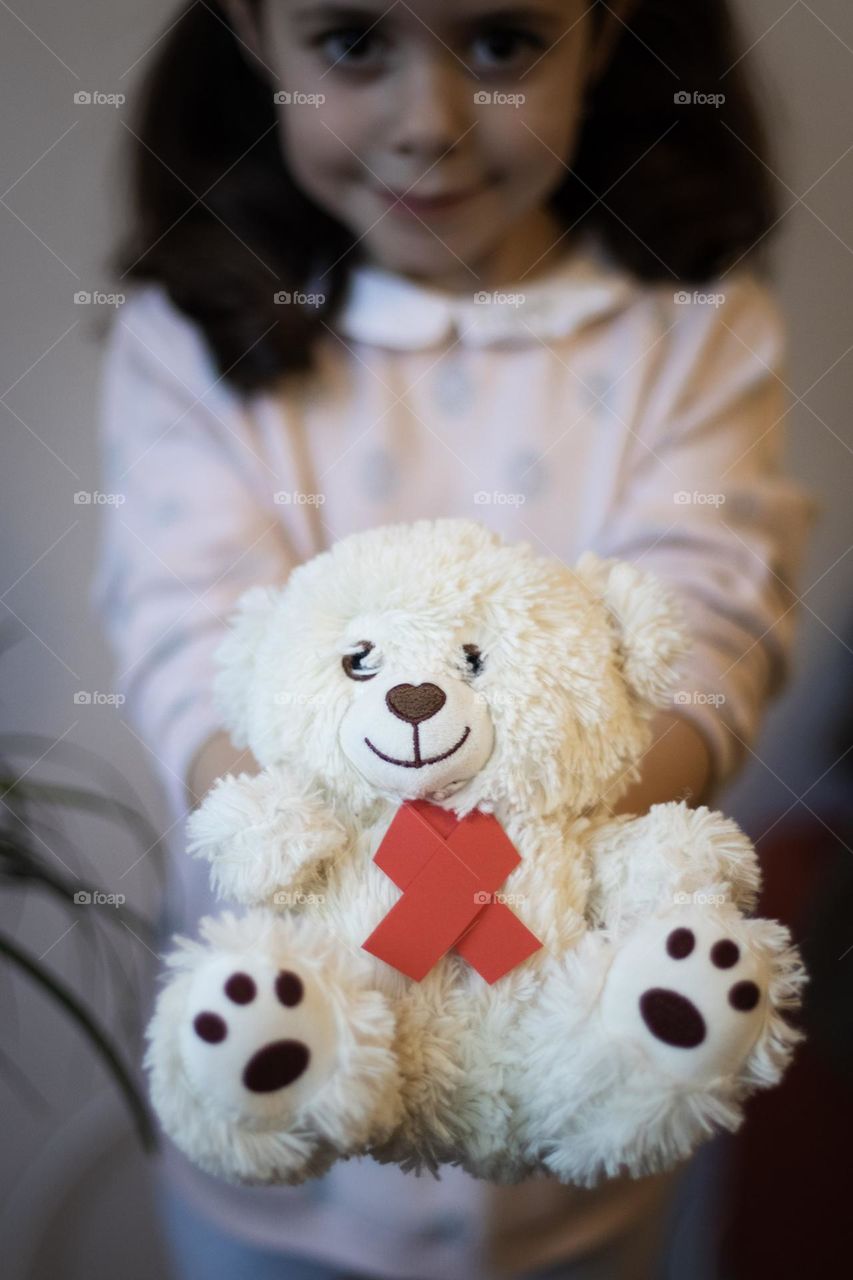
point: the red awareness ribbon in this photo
(448, 871)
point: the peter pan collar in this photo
(391, 310)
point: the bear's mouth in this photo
(419, 762)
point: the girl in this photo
(446, 258)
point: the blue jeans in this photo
(199, 1251)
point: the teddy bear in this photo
(446, 947)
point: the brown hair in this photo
(216, 218)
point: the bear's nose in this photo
(415, 702)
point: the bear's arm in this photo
(264, 836)
(673, 854)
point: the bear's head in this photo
(433, 661)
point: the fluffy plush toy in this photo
(452, 951)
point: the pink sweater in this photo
(580, 409)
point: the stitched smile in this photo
(419, 762)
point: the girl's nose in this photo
(430, 106)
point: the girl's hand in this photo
(214, 759)
(677, 766)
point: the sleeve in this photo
(188, 522)
(704, 501)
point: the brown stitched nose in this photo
(415, 702)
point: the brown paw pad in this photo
(276, 1065)
(672, 1018)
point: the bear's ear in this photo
(236, 656)
(651, 626)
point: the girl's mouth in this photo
(423, 206)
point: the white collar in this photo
(391, 310)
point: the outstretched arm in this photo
(706, 503)
(197, 526)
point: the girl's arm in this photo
(191, 524)
(706, 504)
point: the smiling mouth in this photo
(410, 204)
(419, 762)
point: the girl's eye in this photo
(352, 46)
(347, 45)
(352, 662)
(473, 658)
(503, 45)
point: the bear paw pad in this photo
(259, 1040)
(691, 994)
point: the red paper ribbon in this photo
(448, 871)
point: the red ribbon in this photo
(448, 871)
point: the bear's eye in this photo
(473, 658)
(352, 662)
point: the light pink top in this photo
(579, 409)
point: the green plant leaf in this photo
(97, 1037)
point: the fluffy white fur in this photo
(359, 1102)
(263, 835)
(593, 1103)
(536, 1072)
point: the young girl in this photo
(446, 258)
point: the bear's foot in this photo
(690, 991)
(642, 1047)
(269, 1055)
(259, 1040)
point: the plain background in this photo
(61, 207)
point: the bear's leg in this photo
(642, 1047)
(269, 1053)
(671, 855)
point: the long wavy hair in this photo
(217, 219)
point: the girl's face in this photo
(467, 108)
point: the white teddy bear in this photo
(453, 952)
